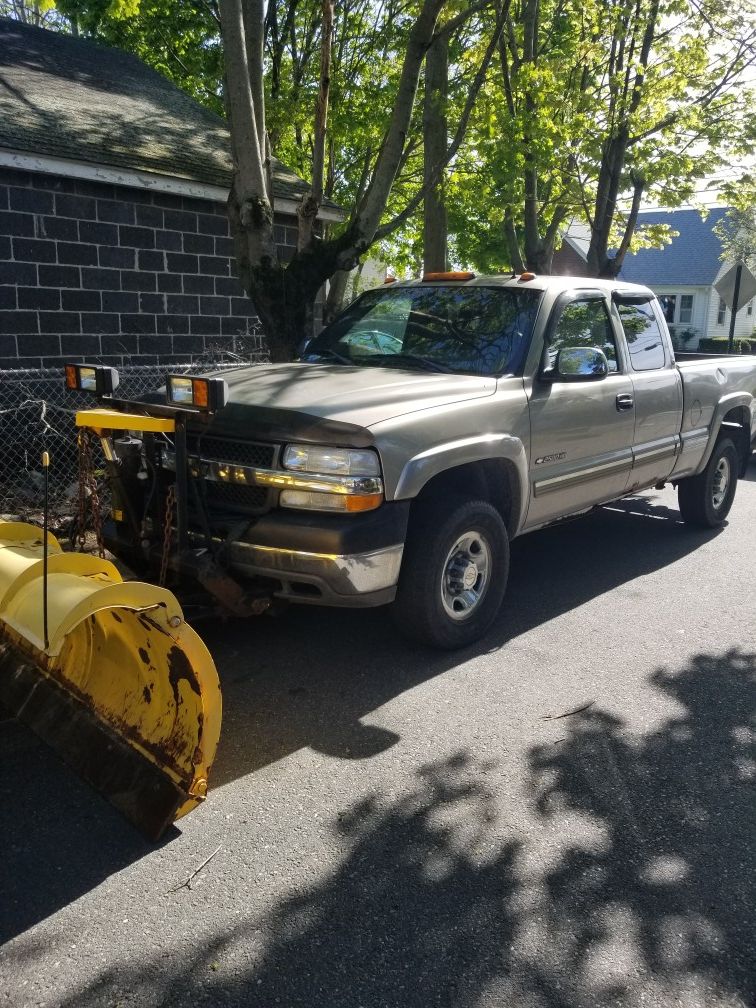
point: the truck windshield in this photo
(466, 330)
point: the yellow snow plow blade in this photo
(113, 679)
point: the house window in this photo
(721, 312)
(668, 302)
(749, 309)
(677, 308)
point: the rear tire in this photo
(454, 574)
(705, 500)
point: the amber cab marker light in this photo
(452, 275)
(390, 280)
(527, 276)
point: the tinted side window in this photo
(585, 324)
(644, 338)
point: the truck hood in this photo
(347, 395)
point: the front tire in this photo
(705, 500)
(454, 574)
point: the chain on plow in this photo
(170, 507)
(88, 492)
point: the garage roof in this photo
(72, 98)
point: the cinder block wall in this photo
(117, 275)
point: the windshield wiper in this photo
(425, 362)
(327, 354)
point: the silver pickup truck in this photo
(436, 420)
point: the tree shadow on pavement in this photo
(669, 891)
(628, 880)
(307, 678)
(310, 678)
(403, 920)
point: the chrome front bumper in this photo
(356, 580)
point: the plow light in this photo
(95, 378)
(206, 394)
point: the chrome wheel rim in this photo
(721, 483)
(466, 574)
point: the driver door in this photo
(581, 430)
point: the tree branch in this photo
(253, 13)
(308, 209)
(368, 216)
(450, 26)
(248, 142)
(639, 184)
(459, 135)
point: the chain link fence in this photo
(37, 414)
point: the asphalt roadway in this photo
(392, 827)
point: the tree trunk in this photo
(284, 295)
(435, 224)
(310, 205)
(373, 205)
(513, 243)
(285, 303)
(335, 300)
(607, 194)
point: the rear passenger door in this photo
(657, 393)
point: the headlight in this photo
(345, 480)
(331, 461)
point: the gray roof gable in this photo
(691, 259)
(73, 98)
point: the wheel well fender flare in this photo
(443, 460)
(733, 410)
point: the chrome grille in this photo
(256, 454)
(231, 497)
(224, 501)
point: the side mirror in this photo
(577, 364)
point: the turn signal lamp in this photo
(452, 275)
(95, 378)
(206, 394)
(317, 501)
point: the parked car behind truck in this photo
(423, 430)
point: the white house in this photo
(682, 274)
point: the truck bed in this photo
(683, 358)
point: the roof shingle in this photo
(692, 258)
(72, 98)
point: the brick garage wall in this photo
(104, 273)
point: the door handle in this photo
(624, 402)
